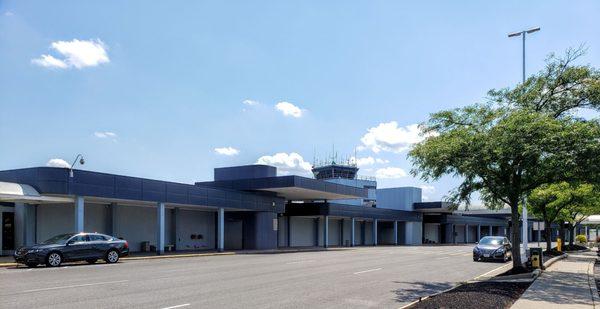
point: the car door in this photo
(76, 248)
(99, 245)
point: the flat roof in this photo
(56, 181)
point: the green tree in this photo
(519, 140)
(563, 202)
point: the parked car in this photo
(493, 248)
(71, 247)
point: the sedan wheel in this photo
(112, 256)
(54, 259)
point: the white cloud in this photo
(48, 61)
(106, 135)
(289, 109)
(389, 137)
(382, 161)
(227, 151)
(76, 54)
(8, 13)
(426, 191)
(286, 164)
(362, 161)
(58, 163)
(250, 102)
(390, 172)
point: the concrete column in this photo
(174, 227)
(374, 232)
(289, 229)
(363, 227)
(342, 232)
(111, 219)
(79, 214)
(20, 225)
(466, 233)
(352, 238)
(221, 229)
(453, 233)
(395, 232)
(587, 234)
(326, 231)
(160, 228)
(478, 232)
(490, 233)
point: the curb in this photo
(153, 257)
(554, 259)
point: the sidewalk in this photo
(568, 283)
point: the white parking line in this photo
(298, 262)
(367, 271)
(73, 286)
(441, 258)
(177, 306)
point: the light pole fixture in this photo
(81, 162)
(524, 33)
(525, 231)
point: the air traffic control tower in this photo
(347, 174)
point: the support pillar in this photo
(326, 231)
(289, 229)
(221, 229)
(20, 225)
(466, 233)
(587, 233)
(374, 232)
(453, 234)
(478, 232)
(395, 233)
(160, 228)
(79, 214)
(352, 238)
(491, 233)
(111, 220)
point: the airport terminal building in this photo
(243, 208)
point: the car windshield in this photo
(58, 239)
(490, 241)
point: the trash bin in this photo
(536, 257)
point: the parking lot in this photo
(378, 277)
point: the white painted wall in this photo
(198, 223)
(334, 232)
(431, 232)
(55, 219)
(302, 232)
(414, 232)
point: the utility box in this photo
(536, 257)
(559, 244)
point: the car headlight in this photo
(475, 250)
(500, 250)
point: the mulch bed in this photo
(477, 295)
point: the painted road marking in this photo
(177, 306)
(73, 286)
(493, 270)
(441, 258)
(298, 262)
(367, 271)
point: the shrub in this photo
(580, 239)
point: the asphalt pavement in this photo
(376, 277)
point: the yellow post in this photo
(559, 244)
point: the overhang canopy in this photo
(16, 192)
(293, 188)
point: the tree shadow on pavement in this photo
(561, 288)
(414, 290)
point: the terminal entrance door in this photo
(8, 231)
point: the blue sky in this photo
(152, 90)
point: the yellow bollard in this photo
(559, 244)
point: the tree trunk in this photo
(515, 239)
(548, 233)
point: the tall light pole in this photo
(525, 233)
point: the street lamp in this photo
(524, 34)
(81, 161)
(525, 233)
